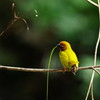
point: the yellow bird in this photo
(68, 57)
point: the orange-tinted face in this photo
(62, 45)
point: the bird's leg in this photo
(67, 69)
(64, 69)
(74, 69)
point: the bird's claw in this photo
(74, 69)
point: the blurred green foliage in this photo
(75, 21)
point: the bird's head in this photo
(64, 45)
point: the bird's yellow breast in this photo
(68, 58)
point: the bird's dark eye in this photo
(60, 45)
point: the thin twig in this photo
(15, 18)
(89, 87)
(48, 75)
(10, 25)
(93, 3)
(95, 55)
(96, 70)
(95, 59)
(10, 68)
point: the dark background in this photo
(75, 21)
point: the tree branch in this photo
(43, 70)
(93, 3)
(15, 18)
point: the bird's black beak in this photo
(59, 45)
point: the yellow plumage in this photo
(68, 57)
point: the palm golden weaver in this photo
(68, 57)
